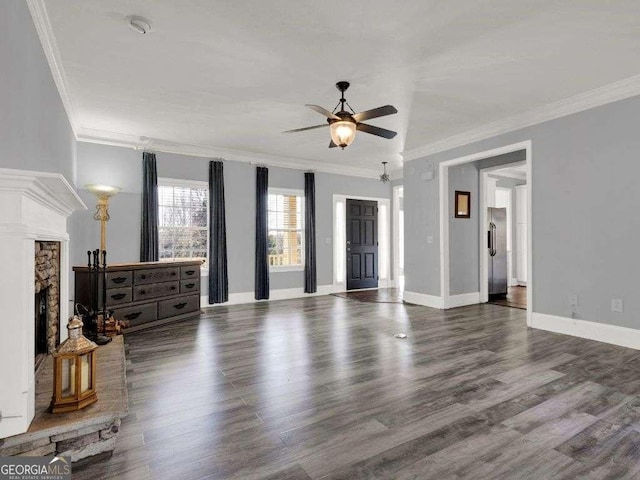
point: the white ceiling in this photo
(234, 74)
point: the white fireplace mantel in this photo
(34, 206)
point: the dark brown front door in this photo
(362, 244)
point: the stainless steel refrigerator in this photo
(497, 244)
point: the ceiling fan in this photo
(344, 123)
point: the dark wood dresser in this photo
(144, 294)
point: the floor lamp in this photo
(103, 193)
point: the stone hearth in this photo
(47, 276)
(82, 434)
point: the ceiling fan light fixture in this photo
(343, 132)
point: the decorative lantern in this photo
(74, 372)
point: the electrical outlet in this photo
(429, 239)
(617, 305)
(573, 300)
(427, 175)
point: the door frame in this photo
(396, 235)
(443, 172)
(340, 241)
(510, 220)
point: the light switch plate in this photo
(429, 239)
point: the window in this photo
(286, 229)
(183, 217)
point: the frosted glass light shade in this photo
(343, 132)
(102, 190)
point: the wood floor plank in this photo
(319, 388)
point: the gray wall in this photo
(585, 223)
(122, 167)
(464, 247)
(35, 133)
(463, 232)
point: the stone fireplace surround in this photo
(34, 206)
(47, 276)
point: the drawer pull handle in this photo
(180, 306)
(173, 288)
(118, 296)
(173, 274)
(190, 272)
(143, 292)
(118, 279)
(133, 316)
(189, 285)
(143, 276)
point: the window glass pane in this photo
(285, 215)
(183, 221)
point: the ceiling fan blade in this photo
(323, 111)
(332, 145)
(375, 113)
(380, 132)
(306, 128)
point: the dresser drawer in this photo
(116, 296)
(192, 271)
(119, 279)
(192, 285)
(144, 292)
(138, 314)
(155, 275)
(178, 306)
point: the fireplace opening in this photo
(41, 322)
(47, 299)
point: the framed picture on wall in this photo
(463, 204)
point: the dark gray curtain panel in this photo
(149, 233)
(310, 275)
(262, 247)
(218, 280)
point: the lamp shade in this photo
(102, 190)
(343, 132)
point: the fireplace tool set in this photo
(97, 316)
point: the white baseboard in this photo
(514, 282)
(462, 300)
(279, 294)
(423, 299)
(602, 332)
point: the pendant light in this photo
(384, 178)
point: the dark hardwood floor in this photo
(516, 298)
(319, 388)
(381, 295)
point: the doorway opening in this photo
(506, 189)
(382, 229)
(479, 280)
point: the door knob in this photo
(348, 242)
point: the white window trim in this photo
(297, 193)
(177, 182)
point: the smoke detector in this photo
(139, 25)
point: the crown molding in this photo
(155, 145)
(41, 21)
(610, 93)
